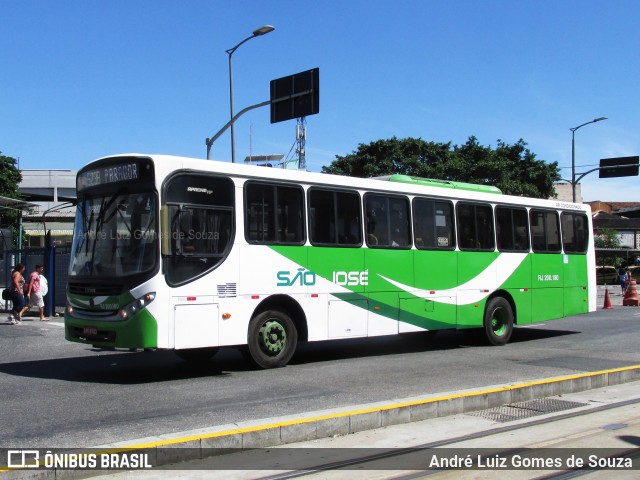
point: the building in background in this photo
(54, 193)
(565, 193)
(624, 219)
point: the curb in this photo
(343, 422)
(163, 450)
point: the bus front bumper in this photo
(138, 331)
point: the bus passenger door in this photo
(195, 325)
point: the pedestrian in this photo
(622, 277)
(35, 292)
(17, 294)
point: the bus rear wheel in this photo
(272, 339)
(498, 321)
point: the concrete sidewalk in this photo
(596, 427)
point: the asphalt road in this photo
(57, 394)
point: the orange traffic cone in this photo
(607, 299)
(631, 295)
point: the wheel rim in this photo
(499, 322)
(273, 337)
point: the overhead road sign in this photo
(619, 167)
(295, 96)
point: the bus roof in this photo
(406, 184)
(430, 182)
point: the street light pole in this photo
(573, 153)
(256, 33)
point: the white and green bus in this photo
(193, 255)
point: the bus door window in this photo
(200, 225)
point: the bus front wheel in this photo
(498, 321)
(272, 339)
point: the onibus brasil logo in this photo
(19, 459)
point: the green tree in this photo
(10, 178)
(607, 238)
(512, 168)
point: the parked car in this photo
(606, 274)
(635, 271)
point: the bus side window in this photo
(400, 227)
(545, 231)
(475, 227)
(511, 229)
(321, 216)
(387, 221)
(348, 222)
(273, 213)
(574, 232)
(433, 224)
(334, 217)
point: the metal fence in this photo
(56, 270)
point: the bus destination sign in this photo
(96, 177)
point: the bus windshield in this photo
(115, 236)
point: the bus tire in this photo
(272, 339)
(196, 355)
(498, 321)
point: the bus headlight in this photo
(138, 304)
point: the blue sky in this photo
(81, 79)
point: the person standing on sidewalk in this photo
(35, 293)
(17, 295)
(622, 277)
